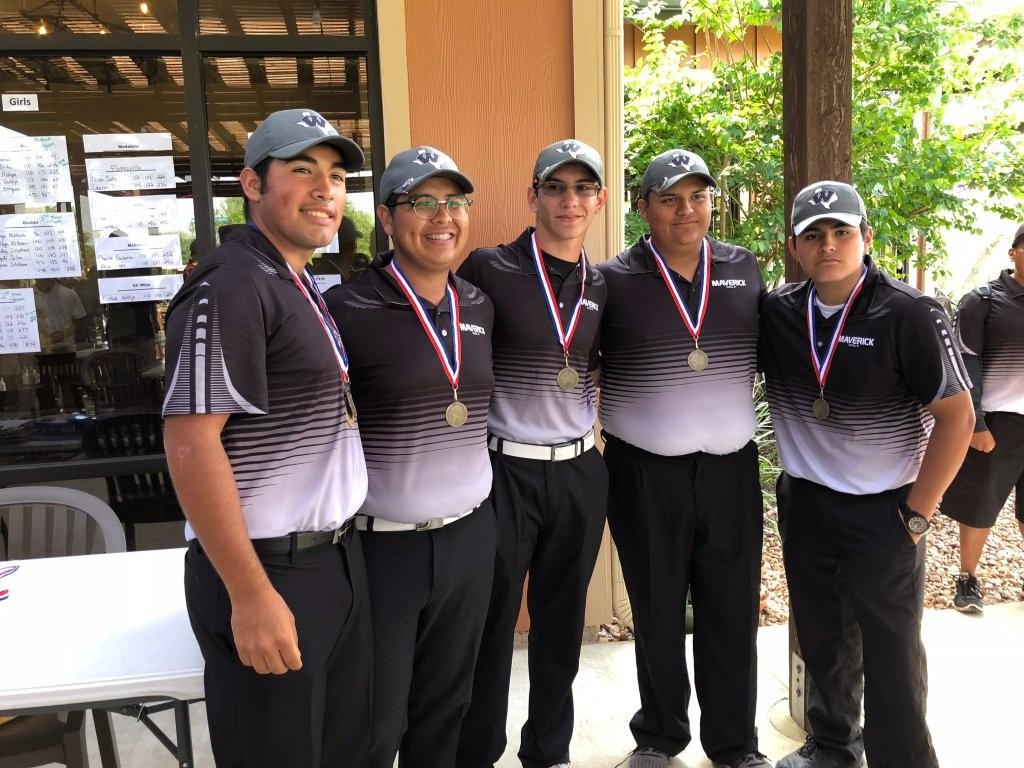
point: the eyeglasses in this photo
(558, 189)
(425, 206)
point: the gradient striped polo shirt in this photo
(650, 398)
(527, 405)
(419, 467)
(896, 355)
(243, 340)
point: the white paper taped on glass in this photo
(35, 245)
(34, 170)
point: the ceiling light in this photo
(42, 27)
(144, 7)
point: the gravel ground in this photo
(1001, 570)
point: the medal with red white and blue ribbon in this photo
(6, 570)
(568, 377)
(456, 414)
(316, 301)
(697, 360)
(820, 408)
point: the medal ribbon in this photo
(324, 315)
(451, 368)
(823, 366)
(564, 336)
(705, 290)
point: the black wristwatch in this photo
(916, 523)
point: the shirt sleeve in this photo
(970, 337)
(217, 349)
(470, 269)
(928, 355)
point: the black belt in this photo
(301, 540)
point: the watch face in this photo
(917, 524)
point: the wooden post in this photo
(817, 71)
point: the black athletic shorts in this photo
(985, 480)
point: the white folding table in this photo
(100, 632)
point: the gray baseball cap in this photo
(290, 132)
(1018, 236)
(671, 167)
(408, 169)
(827, 200)
(554, 156)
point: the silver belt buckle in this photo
(338, 533)
(429, 525)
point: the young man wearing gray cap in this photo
(266, 461)
(420, 341)
(550, 485)
(989, 325)
(678, 358)
(869, 400)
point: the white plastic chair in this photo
(44, 521)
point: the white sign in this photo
(34, 169)
(21, 102)
(126, 142)
(119, 174)
(323, 282)
(132, 215)
(160, 251)
(34, 245)
(122, 290)
(19, 331)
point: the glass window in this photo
(88, 17)
(281, 17)
(96, 223)
(240, 92)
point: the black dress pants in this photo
(429, 591)
(315, 716)
(692, 524)
(856, 586)
(550, 517)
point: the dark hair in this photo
(262, 169)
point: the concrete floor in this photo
(976, 685)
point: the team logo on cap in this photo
(405, 186)
(313, 120)
(571, 148)
(681, 160)
(824, 197)
(427, 156)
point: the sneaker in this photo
(810, 755)
(644, 757)
(754, 760)
(968, 595)
(559, 765)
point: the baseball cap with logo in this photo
(1018, 236)
(290, 132)
(671, 167)
(827, 200)
(408, 169)
(554, 156)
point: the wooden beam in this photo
(817, 71)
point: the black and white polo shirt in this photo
(649, 396)
(528, 406)
(243, 340)
(896, 355)
(992, 329)
(419, 467)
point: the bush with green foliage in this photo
(909, 57)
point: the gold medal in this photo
(456, 414)
(697, 360)
(820, 408)
(350, 407)
(568, 378)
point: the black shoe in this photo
(753, 760)
(810, 755)
(968, 595)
